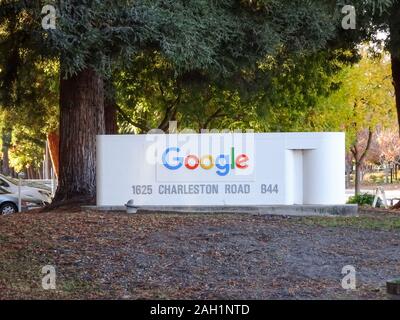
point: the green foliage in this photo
(295, 84)
(364, 100)
(30, 112)
(281, 94)
(362, 199)
(219, 37)
(151, 95)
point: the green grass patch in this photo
(4, 238)
(77, 286)
(375, 223)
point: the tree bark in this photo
(110, 108)
(6, 161)
(6, 138)
(170, 115)
(396, 84)
(110, 115)
(357, 180)
(81, 119)
(394, 25)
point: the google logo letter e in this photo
(223, 162)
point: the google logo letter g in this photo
(224, 163)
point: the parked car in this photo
(34, 194)
(9, 203)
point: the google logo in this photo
(223, 162)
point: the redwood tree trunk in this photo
(81, 119)
(110, 108)
(110, 115)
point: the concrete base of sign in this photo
(281, 210)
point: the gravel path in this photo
(100, 255)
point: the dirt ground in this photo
(196, 256)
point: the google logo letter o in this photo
(190, 159)
(224, 163)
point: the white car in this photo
(33, 194)
(9, 203)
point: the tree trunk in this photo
(110, 109)
(359, 160)
(29, 173)
(53, 143)
(394, 25)
(81, 119)
(6, 138)
(40, 171)
(396, 83)
(357, 178)
(6, 161)
(46, 161)
(110, 115)
(349, 166)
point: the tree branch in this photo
(142, 127)
(363, 155)
(170, 113)
(216, 114)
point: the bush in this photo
(363, 199)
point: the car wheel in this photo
(8, 208)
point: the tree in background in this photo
(364, 103)
(28, 101)
(6, 132)
(151, 94)
(388, 146)
(380, 16)
(32, 115)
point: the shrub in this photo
(363, 199)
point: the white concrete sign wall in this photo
(221, 169)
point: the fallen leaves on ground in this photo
(103, 255)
